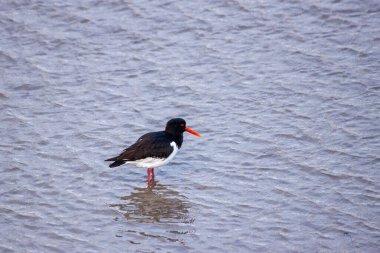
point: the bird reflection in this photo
(156, 203)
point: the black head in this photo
(176, 126)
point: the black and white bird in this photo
(154, 149)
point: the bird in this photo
(154, 149)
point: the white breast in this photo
(152, 162)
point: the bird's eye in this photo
(182, 125)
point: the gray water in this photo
(285, 93)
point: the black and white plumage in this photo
(154, 149)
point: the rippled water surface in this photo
(285, 93)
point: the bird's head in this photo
(177, 126)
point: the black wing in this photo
(156, 144)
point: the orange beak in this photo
(187, 129)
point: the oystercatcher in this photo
(154, 149)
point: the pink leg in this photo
(149, 174)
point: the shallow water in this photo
(285, 94)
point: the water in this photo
(286, 95)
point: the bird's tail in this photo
(115, 162)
